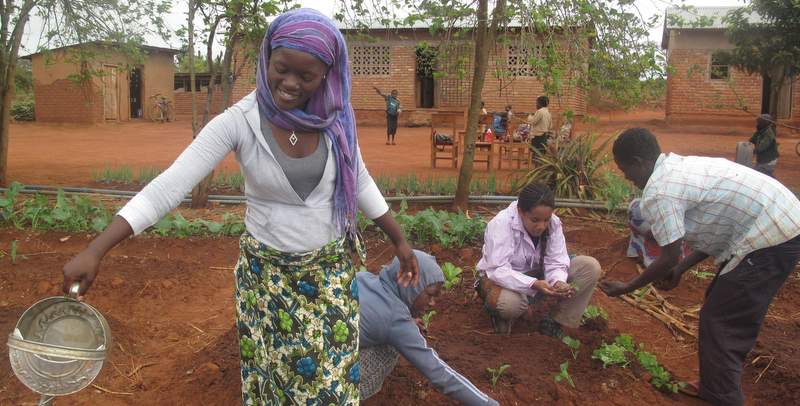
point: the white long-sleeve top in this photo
(276, 215)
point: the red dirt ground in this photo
(171, 314)
(67, 154)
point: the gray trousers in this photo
(509, 305)
(376, 363)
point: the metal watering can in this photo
(58, 346)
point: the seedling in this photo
(625, 341)
(564, 374)
(496, 373)
(13, 252)
(426, 318)
(611, 354)
(573, 344)
(703, 274)
(593, 312)
(452, 275)
(660, 378)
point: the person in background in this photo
(749, 223)
(642, 245)
(392, 114)
(766, 147)
(540, 123)
(500, 123)
(525, 256)
(296, 143)
(389, 327)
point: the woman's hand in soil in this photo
(543, 287)
(81, 269)
(565, 288)
(614, 288)
(409, 269)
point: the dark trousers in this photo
(391, 125)
(731, 317)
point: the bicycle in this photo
(161, 109)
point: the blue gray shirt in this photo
(385, 319)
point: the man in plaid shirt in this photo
(749, 223)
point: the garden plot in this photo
(169, 301)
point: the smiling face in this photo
(536, 219)
(293, 77)
(425, 300)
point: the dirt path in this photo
(67, 154)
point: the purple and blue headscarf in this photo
(329, 109)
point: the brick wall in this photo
(64, 101)
(520, 92)
(692, 95)
(183, 101)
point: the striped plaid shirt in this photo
(718, 207)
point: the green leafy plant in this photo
(593, 312)
(571, 167)
(426, 318)
(452, 275)
(564, 374)
(23, 110)
(147, 174)
(573, 344)
(496, 373)
(611, 354)
(659, 377)
(614, 190)
(120, 174)
(625, 341)
(443, 227)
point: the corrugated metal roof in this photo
(701, 17)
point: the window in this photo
(372, 60)
(519, 60)
(719, 70)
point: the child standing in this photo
(392, 113)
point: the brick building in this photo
(119, 88)
(700, 87)
(388, 59)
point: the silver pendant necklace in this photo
(293, 138)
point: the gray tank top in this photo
(304, 173)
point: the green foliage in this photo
(593, 312)
(433, 186)
(615, 190)
(440, 226)
(573, 344)
(426, 318)
(496, 373)
(571, 167)
(617, 354)
(23, 80)
(147, 174)
(79, 214)
(564, 374)
(452, 275)
(121, 174)
(23, 110)
(611, 354)
(233, 180)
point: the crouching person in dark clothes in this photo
(747, 221)
(388, 329)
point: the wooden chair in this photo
(444, 124)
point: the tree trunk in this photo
(8, 68)
(484, 38)
(200, 192)
(231, 42)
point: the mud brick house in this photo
(118, 87)
(700, 87)
(391, 58)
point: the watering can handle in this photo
(74, 289)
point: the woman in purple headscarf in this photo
(296, 292)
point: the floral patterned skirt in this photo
(298, 325)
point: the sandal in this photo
(692, 388)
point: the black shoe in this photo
(550, 328)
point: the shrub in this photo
(23, 110)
